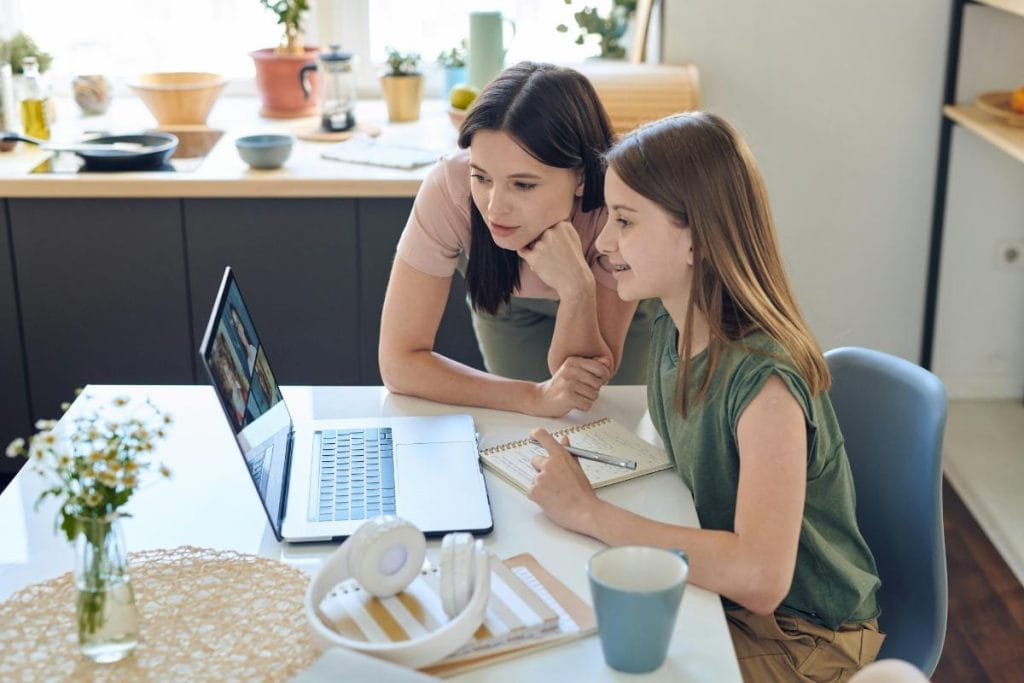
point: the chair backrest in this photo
(893, 414)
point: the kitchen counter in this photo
(222, 173)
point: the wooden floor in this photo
(985, 636)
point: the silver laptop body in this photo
(322, 479)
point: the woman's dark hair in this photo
(554, 114)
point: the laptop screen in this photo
(240, 373)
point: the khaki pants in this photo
(514, 341)
(786, 648)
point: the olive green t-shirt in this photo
(835, 579)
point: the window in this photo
(123, 38)
(127, 37)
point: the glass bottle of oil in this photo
(35, 118)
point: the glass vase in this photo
(108, 622)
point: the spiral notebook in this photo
(511, 461)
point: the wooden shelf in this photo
(1012, 6)
(1005, 137)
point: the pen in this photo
(598, 457)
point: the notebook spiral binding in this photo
(557, 434)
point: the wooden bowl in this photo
(179, 97)
(998, 104)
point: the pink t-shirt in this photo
(439, 230)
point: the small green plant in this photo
(402, 63)
(289, 14)
(18, 47)
(454, 58)
(609, 29)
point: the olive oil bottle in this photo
(35, 120)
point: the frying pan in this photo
(136, 152)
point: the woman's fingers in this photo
(587, 371)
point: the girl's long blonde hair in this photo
(699, 170)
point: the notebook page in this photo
(612, 438)
(512, 460)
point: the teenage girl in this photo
(737, 388)
(517, 211)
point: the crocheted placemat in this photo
(204, 615)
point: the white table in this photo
(211, 503)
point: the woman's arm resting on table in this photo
(753, 565)
(412, 312)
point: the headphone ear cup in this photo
(456, 572)
(386, 554)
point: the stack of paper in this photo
(528, 608)
(364, 150)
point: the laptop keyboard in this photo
(357, 474)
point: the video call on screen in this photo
(239, 364)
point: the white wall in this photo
(840, 102)
(979, 336)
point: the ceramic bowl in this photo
(179, 97)
(264, 150)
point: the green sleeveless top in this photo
(835, 579)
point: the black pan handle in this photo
(8, 136)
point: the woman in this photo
(737, 388)
(517, 211)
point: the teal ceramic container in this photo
(264, 151)
(636, 592)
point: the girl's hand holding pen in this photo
(560, 488)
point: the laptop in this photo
(323, 480)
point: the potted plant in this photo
(277, 68)
(453, 62)
(19, 46)
(402, 85)
(610, 29)
(13, 51)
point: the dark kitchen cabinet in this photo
(380, 225)
(103, 294)
(14, 418)
(119, 291)
(296, 263)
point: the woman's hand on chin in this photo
(557, 258)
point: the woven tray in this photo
(205, 615)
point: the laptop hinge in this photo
(287, 478)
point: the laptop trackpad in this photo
(440, 486)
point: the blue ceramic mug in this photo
(636, 592)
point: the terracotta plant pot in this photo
(403, 95)
(277, 78)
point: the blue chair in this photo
(893, 415)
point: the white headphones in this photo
(384, 555)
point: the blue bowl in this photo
(264, 151)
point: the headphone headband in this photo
(371, 557)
